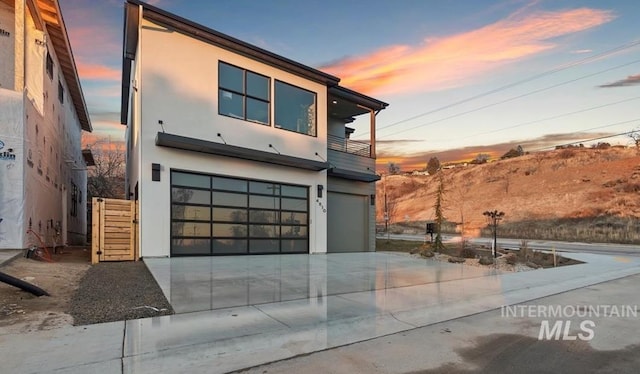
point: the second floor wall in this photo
(202, 91)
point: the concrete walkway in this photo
(289, 305)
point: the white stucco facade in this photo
(174, 91)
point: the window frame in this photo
(275, 112)
(49, 65)
(250, 223)
(60, 92)
(74, 200)
(245, 96)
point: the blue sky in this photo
(544, 60)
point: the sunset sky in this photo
(461, 77)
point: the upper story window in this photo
(49, 66)
(243, 94)
(60, 92)
(295, 109)
(74, 200)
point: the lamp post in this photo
(492, 218)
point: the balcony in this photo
(354, 147)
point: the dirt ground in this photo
(21, 312)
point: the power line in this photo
(534, 77)
(513, 98)
(586, 140)
(550, 118)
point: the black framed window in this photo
(218, 215)
(295, 109)
(49, 66)
(243, 94)
(60, 92)
(74, 200)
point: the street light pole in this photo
(493, 217)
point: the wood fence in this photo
(114, 230)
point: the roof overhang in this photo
(207, 35)
(51, 15)
(344, 103)
(205, 146)
(353, 175)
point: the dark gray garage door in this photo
(347, 222)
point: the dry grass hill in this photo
(568, 194)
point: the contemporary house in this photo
(43, 174)
(232, 149)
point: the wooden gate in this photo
(114, 230)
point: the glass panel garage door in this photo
(215, 215)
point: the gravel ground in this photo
(116, 291)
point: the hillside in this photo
(579, 189)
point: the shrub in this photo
(427, 253)
(511, 258)
(486, 260)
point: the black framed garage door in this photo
(219, 215)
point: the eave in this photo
(220, 149)
(51, 15)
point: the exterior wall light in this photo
(155, 172)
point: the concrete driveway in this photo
(239, 312)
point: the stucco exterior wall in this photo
(176, 80)
(180, 83)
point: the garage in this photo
(218, 215)
(347, 222)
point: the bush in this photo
(511, 258)
(427, 253)
(466, 251)
(486, 260)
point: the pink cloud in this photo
(450, 61)
(97, 72)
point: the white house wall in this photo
(178, 85)
(155, 197)
(11, 169)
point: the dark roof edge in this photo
(223, 149)
(129, 39)
(353, 175)
(228, 42)
(357, 97)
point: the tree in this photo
(106, 178)
(433, 165)
(513, 152)
(391, 204)
(439, 216)
(394, 168)
(481, 158)
(635, 136)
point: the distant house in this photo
(234, 150)
(43, 178)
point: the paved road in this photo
(491, 342)
(596, 248)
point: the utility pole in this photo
(492, 220)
